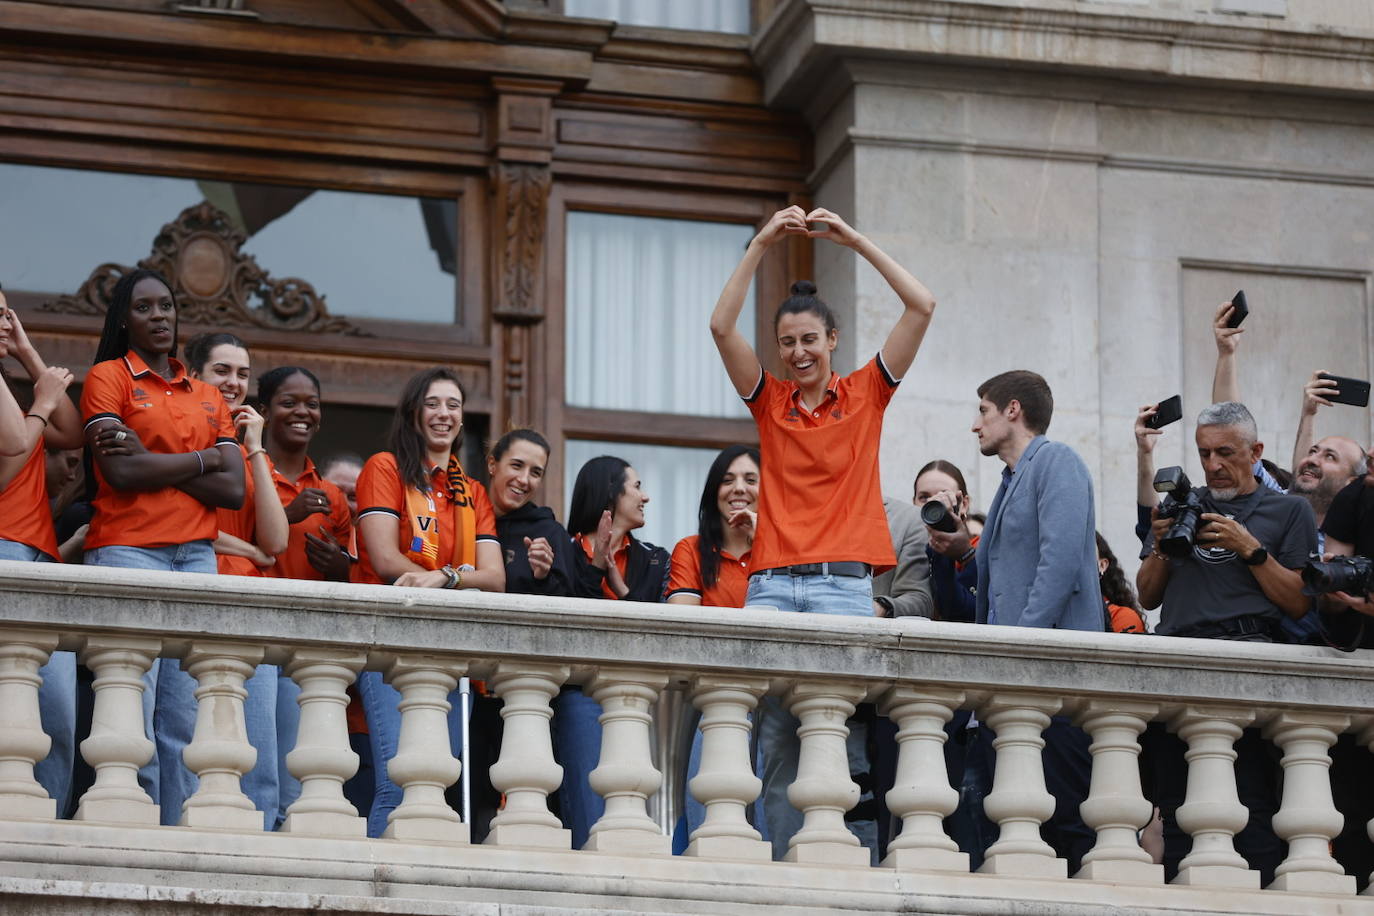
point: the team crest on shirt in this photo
(139, 392)
(209, 408)
(837, 414)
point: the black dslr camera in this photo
(937, 515)
(1352, 575)
(1183, 506)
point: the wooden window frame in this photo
(648, 427)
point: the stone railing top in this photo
(482, 629)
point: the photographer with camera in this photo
(1224, 562)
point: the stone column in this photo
(527, 771)
(726, 783)
(1116, 808)
(424, 765)
(219, 753)
(322, 759)
(1365, 737)
(22, 740)
(1308, 818)
(1212, 812)
(625, 775)
(823, 791)
(1019, 801)
(117, 746)
(922, 796)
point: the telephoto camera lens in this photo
(937, 515)
(1353, 575)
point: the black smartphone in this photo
(1350, 391)
(1170, 410)
(1239, 310)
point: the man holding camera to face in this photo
(1224, 560)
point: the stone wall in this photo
(1080, 184)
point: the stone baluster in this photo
(823, 791)
(1212, 812)
(22, 740)
(922, 796)
(1307, 817)
(424, 765)
(322, 759)
(219, 753)
(117, 745)
(1019, 801)
(1116, 808)
(726, 783)
(1364, 736)
(625, 775)
(527, 771)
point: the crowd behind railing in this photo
(170, 465)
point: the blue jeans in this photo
(577, 745)
(380, 704)
(779, 745)
(56, 702)
(169, 702)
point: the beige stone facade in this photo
(1081, 183)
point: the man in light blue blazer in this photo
(1037, 558)
(1037, 566)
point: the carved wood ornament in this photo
(214, 281)
(524, 192)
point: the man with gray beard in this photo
(1241, 576)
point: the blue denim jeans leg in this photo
(56, 702)
(169, 703)
(577, 744)
(262, 783)
(288, 723)
(779, 745)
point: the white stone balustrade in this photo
(1019, 802)
(22, 740)
(919, 673)
(625, 775)
(922, 796)
(1212, 813)
(527, 772)
(424, 765)
(1116, 808)
(726, 784)
(322, 759)
(219, 753)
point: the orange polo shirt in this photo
(294, 562)
(241, 523)
(732, 580)
(24, 514)
(620, 557)
(820, 498)
(380, 490)
(171, 416)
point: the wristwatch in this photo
(1257, 557)
(887, 603)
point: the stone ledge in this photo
(185, 871)
(583, 634)
(798, 47)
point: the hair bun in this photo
(803, 288)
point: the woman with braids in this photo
(26, 527)
(422, 523)
(822, 529)
(165, 459)
(1121, 608)
(321, 525)
(709, 567)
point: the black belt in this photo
(845, 568)
(1243, 627)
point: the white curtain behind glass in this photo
(704, 15)
(672, 478)
(639, 296)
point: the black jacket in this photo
(646, 574)
(531, 521)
